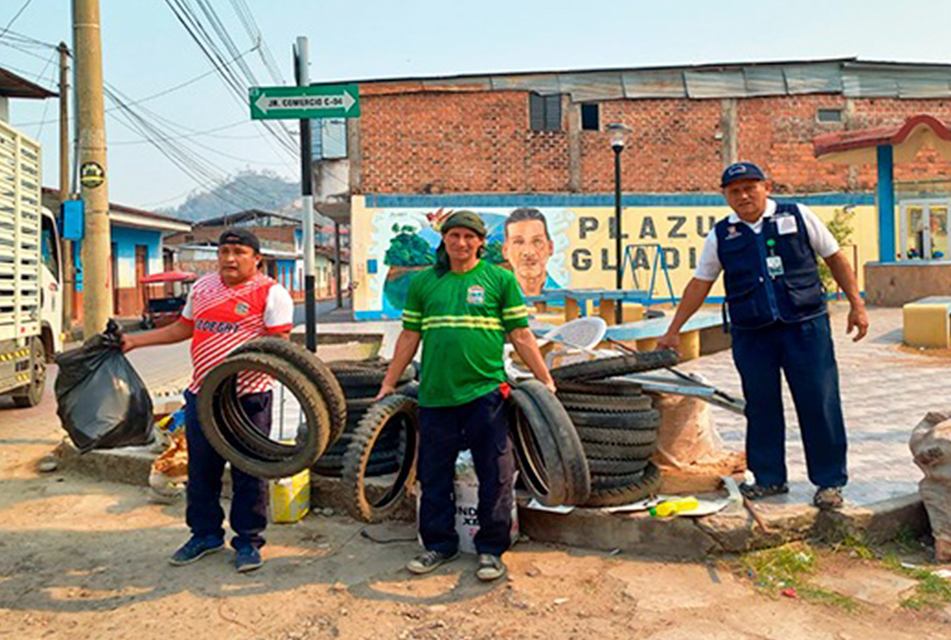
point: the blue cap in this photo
(741, 171)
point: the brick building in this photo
(497, 142)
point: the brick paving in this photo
(885, 393)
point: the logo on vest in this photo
(732, 232)
(242, 308)
(475, 295)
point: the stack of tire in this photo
(616, 423)
(360, 381)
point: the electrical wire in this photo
(14, 18)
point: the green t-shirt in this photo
(463, 318)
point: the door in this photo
(924, 229)
(141, 270)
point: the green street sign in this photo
(305, 103)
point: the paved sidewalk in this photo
(885, 393)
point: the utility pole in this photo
(307, 201)
(97, 284)
(67, 245)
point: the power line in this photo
(153, 96)
(193, 25)
(208, 132)
(14, 18)
(198, 168)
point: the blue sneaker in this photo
(196, 549)
(247, 559)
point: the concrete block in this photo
(639, 533)
(129, 465)
(871, 585)
(926, 325)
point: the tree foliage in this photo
(407, 249)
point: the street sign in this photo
(305, 103)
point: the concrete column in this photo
(574, 145)
(354, 155)
(729, 125)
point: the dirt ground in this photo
(87, 559)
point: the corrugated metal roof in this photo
(849, 76)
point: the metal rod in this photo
(618, 227)
(307, 202)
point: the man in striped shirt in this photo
(461, 310)
(224, 310)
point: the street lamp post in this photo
(617, 134)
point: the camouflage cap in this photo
(468, 219)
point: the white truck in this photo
(31, 292)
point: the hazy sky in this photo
(147, 51)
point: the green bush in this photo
(841, 229)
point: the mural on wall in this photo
(403, 242)
(552, 247)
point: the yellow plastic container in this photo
(290, 498)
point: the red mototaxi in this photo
(164, 309)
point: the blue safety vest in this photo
(754, 297)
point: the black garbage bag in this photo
(101, 400)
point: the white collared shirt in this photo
(820, 239)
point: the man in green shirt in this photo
(462, 309)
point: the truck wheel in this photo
(30, 395)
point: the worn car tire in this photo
(615, 366)
(626, 420)
(312, 367)
(551, 433)
(605, 404)
(615, 387)
(611, 467)
(620, 437)
(619, 451)
(230, 434)
(356, 377)
(356, 460)
(638, 487)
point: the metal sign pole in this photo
(307, 202)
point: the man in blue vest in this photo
(779, 322)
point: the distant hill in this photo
(246, 190)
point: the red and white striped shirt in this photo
(225, 317)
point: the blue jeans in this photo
(249, 499)
(803, 351)
(482, 427)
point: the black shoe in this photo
(430, 561)
(756, 491)
(195, 549)
(829, 498)
(247, 559)
(490, 567)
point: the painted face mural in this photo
(527, 249)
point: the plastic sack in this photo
(930, 445)
(101, 400)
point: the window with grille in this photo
(545, 112)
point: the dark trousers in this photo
(204, 514)
(804, 352)
(482, 427)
